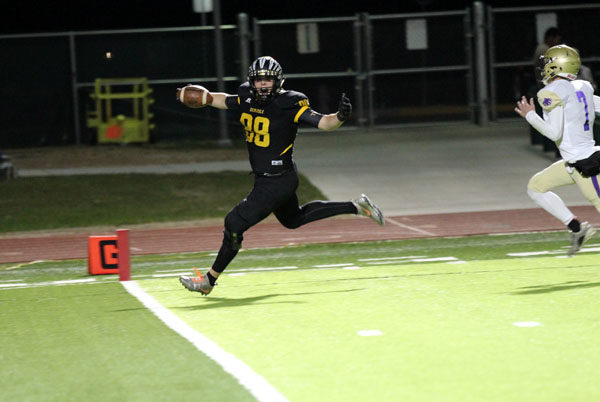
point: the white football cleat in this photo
(365, 207)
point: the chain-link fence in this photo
(397, 68)
(513, 38)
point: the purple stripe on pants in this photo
(595, 181)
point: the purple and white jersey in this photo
(569, 117)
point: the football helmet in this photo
(265, 67)
(562, 61)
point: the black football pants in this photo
(276, 194)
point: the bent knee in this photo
(290, 223)
(537, 184)
(234, 223)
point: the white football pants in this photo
(557, 175)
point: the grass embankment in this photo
(39, 203)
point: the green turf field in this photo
(481, 318)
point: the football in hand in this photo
(194, 96)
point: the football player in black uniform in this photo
(271, 116)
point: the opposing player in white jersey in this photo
(569, 107)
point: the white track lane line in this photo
(414, 229)
(254, 383)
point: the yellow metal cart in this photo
(127, 122)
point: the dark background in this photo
(38, 103)
(29, 16)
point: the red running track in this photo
(55, 246)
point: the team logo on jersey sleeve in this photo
(549, 100)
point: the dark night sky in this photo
(28, 16)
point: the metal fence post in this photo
(359, 80)
(224, 139)
(368, 30)
(480, 62)
(243, 41)
(256, 38)
(469, 75)
(492, 60)
(74, 89)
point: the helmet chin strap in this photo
(261, 93)
(264, 93)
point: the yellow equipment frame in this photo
(121, 129)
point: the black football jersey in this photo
(271, 127)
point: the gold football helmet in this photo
(561, 61)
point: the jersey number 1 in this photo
(257, 129)
(581, 98)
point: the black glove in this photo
(344, 109)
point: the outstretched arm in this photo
(219, 100)
(330, 122)
(196, 96)
(334, 120)
(551, 127)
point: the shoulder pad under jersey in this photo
(578, 84)
(291, 100)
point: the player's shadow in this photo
(559, 287)
(221, 302)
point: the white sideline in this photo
(254, 383)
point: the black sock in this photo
(211, 279)
(574, 225)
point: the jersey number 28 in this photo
(257, 129)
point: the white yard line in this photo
(389, 262)
(584, 249)
(91, 281)
(286, 268)
(434, 259)
(71, 281)
(528, 253)
(392, 258)
(188, 272)
(12, 285)
(254, 383)
(403, 260)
